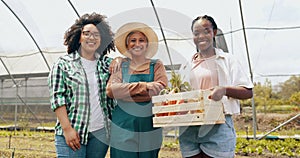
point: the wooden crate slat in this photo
(187, 124)
(205, 94)
(179, 118)
(213, 113)
(177, 96)
(186, 120)
(177, 124)
(178, 107)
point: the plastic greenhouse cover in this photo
(32, 31)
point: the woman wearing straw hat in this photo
(139, 78)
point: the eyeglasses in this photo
(88, 34)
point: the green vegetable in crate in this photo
(176, 87)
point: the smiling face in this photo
(90, 39)
(137, 44)
(203, 35)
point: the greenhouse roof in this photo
(32, 31)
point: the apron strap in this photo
(125, 68)
(152, 64)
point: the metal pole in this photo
(1, 103)
(26, 92)
(16, 108)
(78, 15)
(291, 119)
(20, 98)
(162, 32)
(250, 70)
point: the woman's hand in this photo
(154, 88)
(217, 93)
(72, 138)
(115, 65)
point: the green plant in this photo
(287, 147)
(176, 85)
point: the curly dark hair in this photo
(72, 35)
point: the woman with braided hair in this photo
(222, 74)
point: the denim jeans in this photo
(214, 140)
(96, 147)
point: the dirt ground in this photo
(265, 122)
(243, 122)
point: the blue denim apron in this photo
(132, 132)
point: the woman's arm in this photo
(137, 91)
(117, 89)
(237, 92)
(71, 136)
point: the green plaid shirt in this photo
(68, 86)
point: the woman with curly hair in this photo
(77, 85)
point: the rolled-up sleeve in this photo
(57, 87)
(160, 74)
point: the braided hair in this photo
(206, 17)
(211, 20)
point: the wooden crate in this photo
(195, 109)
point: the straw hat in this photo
(123, 31)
